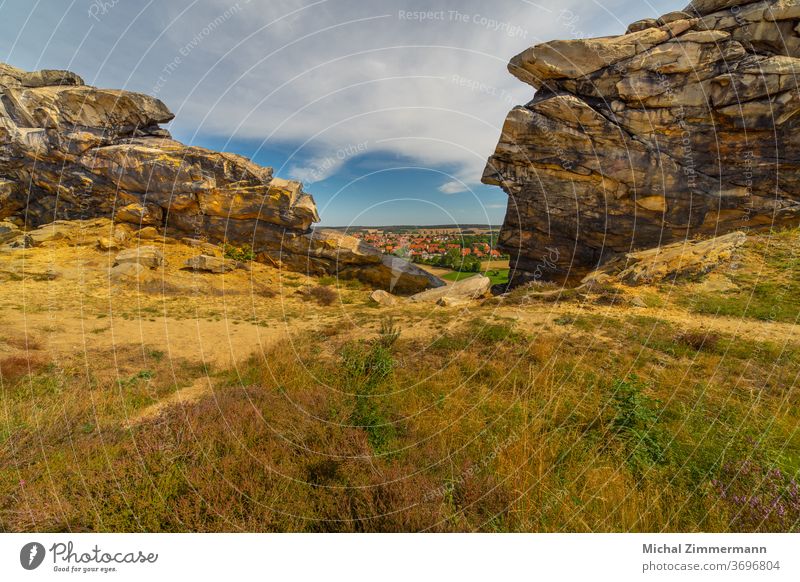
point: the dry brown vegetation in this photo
(576, 414)
(382, 434)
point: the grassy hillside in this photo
(669, 408)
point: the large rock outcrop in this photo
(685, 125)
(69, 151)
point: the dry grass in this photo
(489, 429)
(325, 296)
(580, 416)
(14, 367)
(22, 342)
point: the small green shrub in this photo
(449, 343)
(389, 333)
(243, 254)
(636, 423)
(367, 365)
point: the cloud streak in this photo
(425, 81)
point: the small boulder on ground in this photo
(453, 302)
(206, 247)
(108, 244)
(8, 231)
(24, 242)
(637, 302)
(464, 290)
(115, 242)
(211, 264)
(148, 233)
(56, 231)
(149, 257)
(384, 298)
(126, 271)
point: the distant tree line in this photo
(452, 259)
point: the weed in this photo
(389, 333)
(325, 296)
(242, 254)
(449, 343)
(494, 333)
(699, 340)
(367, 365)
(636, 423)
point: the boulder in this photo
(71, 151)
(211, 264)
(127, 271)
(453, 302)
(108, 244)
(685, 260)
(149, 257)
(331, 252)
(665, 133)
(8, 231)
(462, 291)
(148, 233)
(206, 247)
(384, 298)
(637, 302)
(23, 242)
(53, 232)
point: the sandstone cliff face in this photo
(69, 151)
(686, 125)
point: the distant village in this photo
(433, 245)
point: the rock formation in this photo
(686, 125)
(69, 151)
(683, 260)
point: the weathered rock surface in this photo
(676, 261)
(149, 257)
(384, 298)
(457, 293)
(332, 251)
(685, 125)
(8, 231)
(126, 271)
(211, 264)
(70, 151)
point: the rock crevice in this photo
(684, 126)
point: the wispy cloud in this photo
(425, 80)
(453, 187)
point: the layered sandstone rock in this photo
(686, 125)
(69, 151)
(683, 260)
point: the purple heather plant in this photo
(758, 498)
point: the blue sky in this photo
(387, 110)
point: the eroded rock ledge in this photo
(69, 151)
(686, 125)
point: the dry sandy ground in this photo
(58, 298)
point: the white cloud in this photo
(316, 170)
(320, 75)
(453, 187)
(435, 91)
